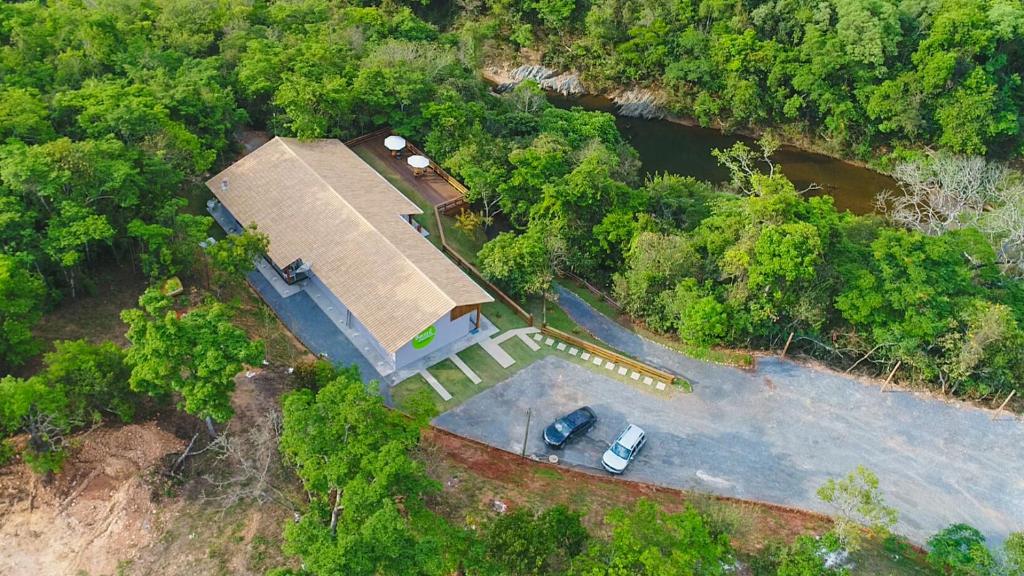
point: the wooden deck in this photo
(432, 187)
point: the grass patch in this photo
(725, 356)
(259, 322)
(503, 317)
(414, 391)
(553, 315)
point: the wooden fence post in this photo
(1003, 405)
(786, 347)
(891, 374)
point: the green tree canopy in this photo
(196, 353)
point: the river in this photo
(679, 149)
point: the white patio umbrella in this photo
(394, 143)
(417, 161)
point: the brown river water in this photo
(666, 146)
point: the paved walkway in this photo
(465, 368)
(504, 359)
(441, 391)
(314, 329)
(778, 433)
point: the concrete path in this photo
(498, 353)
(776, 434)
(315, 330)
(435, 385)
(465, 368)
(529, 342)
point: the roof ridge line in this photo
(362, 217)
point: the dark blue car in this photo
(573, 424)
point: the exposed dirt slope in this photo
(96, 513)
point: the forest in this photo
(857, 74)
(113, 113)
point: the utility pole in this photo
(526, 436)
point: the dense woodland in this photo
(113, 112)
(855, 73)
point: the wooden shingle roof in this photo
(318, 201)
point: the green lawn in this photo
(457, 384)
(415, 390)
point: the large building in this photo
(339, 227)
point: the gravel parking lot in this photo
(774, 439)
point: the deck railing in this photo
(386, 131)
(453, 254)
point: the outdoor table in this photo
(418, 163)
(395, 144)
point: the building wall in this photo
(340, 313)
(446, 332)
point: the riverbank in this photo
(681, 146)
(499, 75)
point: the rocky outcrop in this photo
(634, 102)
(638, 103)
(567, 83)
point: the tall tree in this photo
(196, 353)
(366, 513)
(21, 302)
(649, 542)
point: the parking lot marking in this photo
(648, 381)
(622, 370)
(635, 375)
(585, 356)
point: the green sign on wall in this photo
(423, 339)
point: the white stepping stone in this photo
(648, 380)
(597, 360)
(549, 341)
(538, 337)
(573, 351)
(622, 370)
(609, 366)
(660, 386)
(435, 385)
(585, 356)
(561, 346)
(635, 375)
